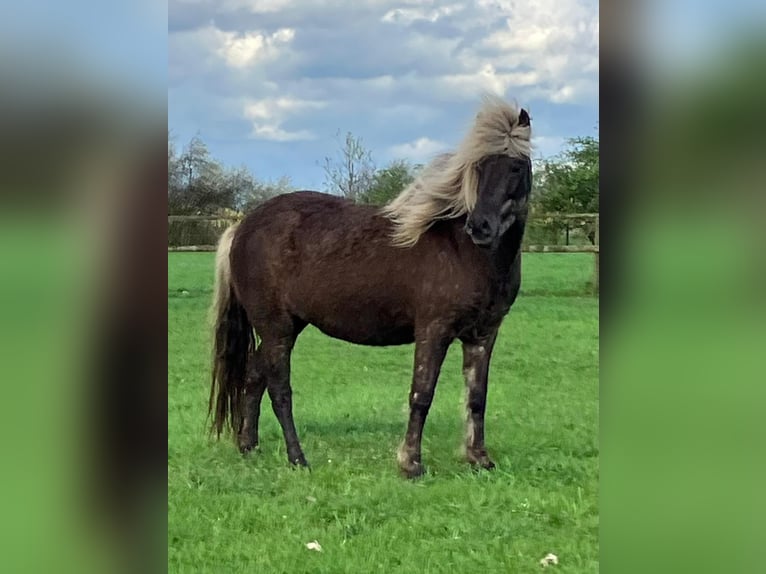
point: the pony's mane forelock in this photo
(447, 186)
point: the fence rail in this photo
(175, 218)
(540, 219)
(560, 248)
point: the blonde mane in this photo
(447, 187)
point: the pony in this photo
(441, 262)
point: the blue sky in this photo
(681, 35)
(270, 83)
(100, 39)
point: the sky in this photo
(275, 84)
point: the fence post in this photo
(596, 262)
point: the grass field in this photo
(227, 513)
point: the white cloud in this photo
(486, 79)
(555, 40)
(407, 16)
(575, 91)
(419, 150)
(199, 51)
(277, 134)
(259, 6)
(243, 51)
(542, 48)
(505, 46)
(267, 6)
(267, 116)
(404, 74)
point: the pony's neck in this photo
(504, 256)
(510, 244)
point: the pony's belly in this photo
(365, 327)
(376, 338)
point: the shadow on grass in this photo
(585, 291)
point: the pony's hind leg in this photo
(255, 385)
(276, 363)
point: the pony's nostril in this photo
(485, 228)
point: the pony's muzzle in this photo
(481, 233)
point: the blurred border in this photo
(83, 297)
(683, 330)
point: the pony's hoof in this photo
(485, 464)
(480, 460)
(412, 470)
(299, 461)
(246, 448)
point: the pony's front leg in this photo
(429, 355)
(476, 356)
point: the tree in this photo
(569, 183)
(199, 184)
(389, 182)
(208, 187)
(174, 173)
(352, 172)
(193, 186)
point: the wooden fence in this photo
(213, 225)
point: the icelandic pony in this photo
(441, 262)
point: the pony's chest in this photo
(497, 302)
(490, 305)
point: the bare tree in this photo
(174, 173)
(198, 184)
(352, 172)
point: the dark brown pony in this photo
(441, 262)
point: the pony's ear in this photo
(523, 117)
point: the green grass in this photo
(227, 513)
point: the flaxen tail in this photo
(233, 342)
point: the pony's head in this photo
(504, 182)
(488, 178)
